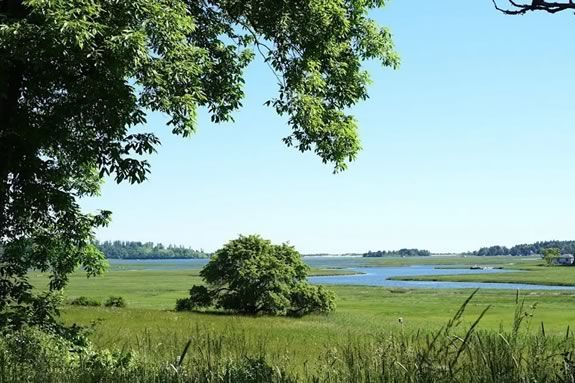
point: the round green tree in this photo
(253, 276)
(550, 255)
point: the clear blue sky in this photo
(470, 143)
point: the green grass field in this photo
(530, 274)
(452, 260)
(362, 310)
(365, 315)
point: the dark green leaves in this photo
(77, 75)
(316, 48)
(253, 276)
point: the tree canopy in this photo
(146, 250)
(397, 253)
(77, 75)
(550, 255)
(565, 247)
(253, 276)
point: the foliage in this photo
(84, 301)
(77, 76)
(200, 297)
(183, 304)
(147, 250)
(397, 253)
(494, 251)
(306, 298)
(550, 255)
(566, 247)
(33, 347)
(31, 355)
(251, 275)
(457, 352)
(115, 302)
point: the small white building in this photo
(565, 259)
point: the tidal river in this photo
(367, 276)
(379, 276)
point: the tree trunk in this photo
(11, 78)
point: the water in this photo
(157, 264)
(323, 262)
(371, 276)
(378, 276)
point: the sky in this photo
(469, 143)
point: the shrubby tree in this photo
(253, 276)
(77, 75)
(200, 297)
(307, 298)
(550, 255)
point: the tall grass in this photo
(454, 353)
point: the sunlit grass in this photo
(534, 274)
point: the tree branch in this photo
(536, 5)
(11, 79)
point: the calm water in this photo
(339, 262)
(378, 276)
(157, 264)
(371, 276)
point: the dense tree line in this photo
(400, 253)
(146, 250)
(565, 247)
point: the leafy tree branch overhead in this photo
(521, 8)
(76, 75)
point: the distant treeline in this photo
(400, 253)
(566, 247)
(146, 250)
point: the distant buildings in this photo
(565, 259)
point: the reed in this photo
(453, 353)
